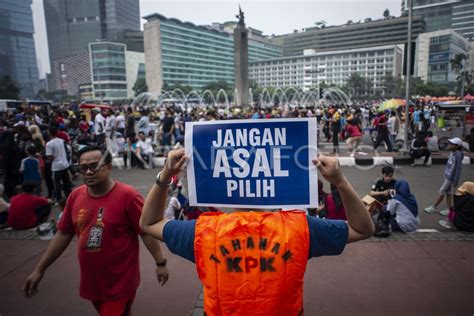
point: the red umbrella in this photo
(93, 106)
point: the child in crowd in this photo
(452, 173)
(30, 168)
(381, 188)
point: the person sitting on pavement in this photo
(462, 216)
(27, 210)
(261, 256)
(452, 174)
(333, 206)
(401, 212)
(419, 149)
(382, 186)
(145, 149)
(432, 142)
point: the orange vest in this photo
(252, 263)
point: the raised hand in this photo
(330, 169)
(174, 162)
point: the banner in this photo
(262, 164)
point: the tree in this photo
(320, 24)
(349, 22)
(9, 88)
(367, 20)
(392, 86)
(216, 86)
(386, 13)
(140, 86)
(457, 65)
(357, 85)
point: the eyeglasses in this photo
(94, 167)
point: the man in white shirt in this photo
(110, 124)
(145, 149)
(56, 153)
(99, 127)
(120, 122)
(393, 126)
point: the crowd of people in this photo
(48, 149)
(40, 146)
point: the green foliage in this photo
(358, 86)
(140, 86)
(393, 87)
(9, 88)
(215, 86)
(386, 13)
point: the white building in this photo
(334, 67)
(434, 50)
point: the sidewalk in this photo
(376, 277)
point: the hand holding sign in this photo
(173, 165)
(330, 169)
(252, 164)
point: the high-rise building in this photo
(114, 70)
(445, 14)
(349, 36)
(333, 67)
(71, 72)
(433, 55)
(73, 24)
(463, 18)
(17, 47)
(179, 52)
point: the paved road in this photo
(424, 183)
(370, 278)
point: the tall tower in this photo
(73, 24)
(241, 62)
(17, 47)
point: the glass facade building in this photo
(108, 70)
(445, 14)
(195, 55)
(114, 70)
(463, 18)
(73, 24)
(17, 47)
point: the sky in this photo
(270, 16)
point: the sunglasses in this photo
(94, 167)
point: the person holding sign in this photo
(254, 262)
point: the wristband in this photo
(162, 184)
(162, 263)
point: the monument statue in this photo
(241, 63)
(241, 17)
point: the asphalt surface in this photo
(386, 277)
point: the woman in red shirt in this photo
(354, 136)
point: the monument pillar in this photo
(241, 62)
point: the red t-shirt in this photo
(23, 210)
(64, 136)
(353, 131)
(111, 272)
